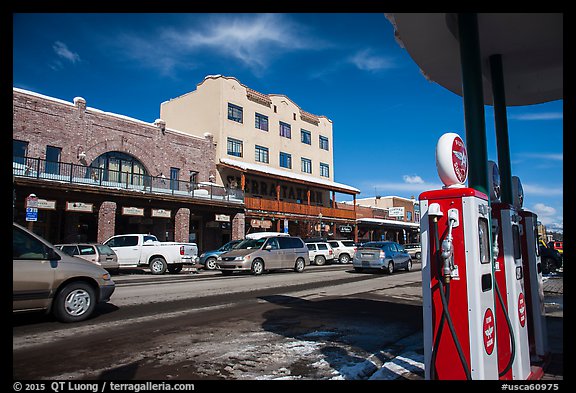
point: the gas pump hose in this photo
(512, 340)
(445, 313)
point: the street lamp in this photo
(319, 224)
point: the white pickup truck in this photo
(138, 250)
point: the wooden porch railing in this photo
(272, 205)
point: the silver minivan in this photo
(266, 253)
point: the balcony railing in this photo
(297, 208)
(99, 177)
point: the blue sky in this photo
(386, 116)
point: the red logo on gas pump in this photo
(459, 159)
(488, 331)
(521, 309)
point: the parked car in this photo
(414, 249)
(139, 250)
(320, 253)
(208, 258)
(344, 250)
(550, 258)
(97, 253)
(49, 280)
(386, 255)
(557, 245)
(265, 253)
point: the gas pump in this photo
(457, 282)
(511, 310)
(533, 287)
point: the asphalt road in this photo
(326, 323)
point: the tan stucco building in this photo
(279, 155)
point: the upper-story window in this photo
(235, 112)
(19, 150)
(306, 165)
(305, 136)
(53, 159)
(285, 160)
(234, 147)
(323, 142)
(262, 154)
(285, 130)
(324, 170)
(261, 122)
(174, 178)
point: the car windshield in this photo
(250, 243)
(104, 249)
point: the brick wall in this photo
(74, 128)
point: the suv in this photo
(47, 279)
(550, 258)
(344, 250)
(265, 253)
(97, 253)
(414, 249)
(208, 258)
(320, 252)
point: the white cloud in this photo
(543, 156)
(534, 189)
(413, 179)
(537, 116)
(62, 51)
(544, 210)
(365, 60)
(255, 40)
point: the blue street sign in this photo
(31, 214)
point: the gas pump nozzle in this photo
(447, 254)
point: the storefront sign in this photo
(345, 228)
(222, 218)
(79, 207)
(256, 223)
(396, 212)
(161, 213)
(46, 205)
(133, 211)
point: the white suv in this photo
(320, 253)
(344, 250)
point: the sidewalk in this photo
(554, 305)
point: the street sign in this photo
(31, 214)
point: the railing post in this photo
(38, 168)
(71, 171)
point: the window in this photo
(87, 250)
(262, 154)
(322, 246)
(324, 170)
(306, 165)
(19, 151)
(323, 142)
(261, 122)
(174, 177)
(234, 147)
(25, 246)
(285, 160)
(285, 130)
(70, 250)
(52, 159)
(311, 247)
(305, 137)
(124, 241)
(235, 112)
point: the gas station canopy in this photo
(531, 47)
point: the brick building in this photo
(97, 174)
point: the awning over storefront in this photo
(388, 223)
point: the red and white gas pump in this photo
(511, 310)
(457, 283)
(533, 287)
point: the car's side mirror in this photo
(52, 255)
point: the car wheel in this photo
(319, 260)
(75, 302)
(344, 258)
(418, 255)
(158, 265)
(210, 264)
(257, 267)
(175, 268)
(390, 268)
(409, 265)
(299, 266)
